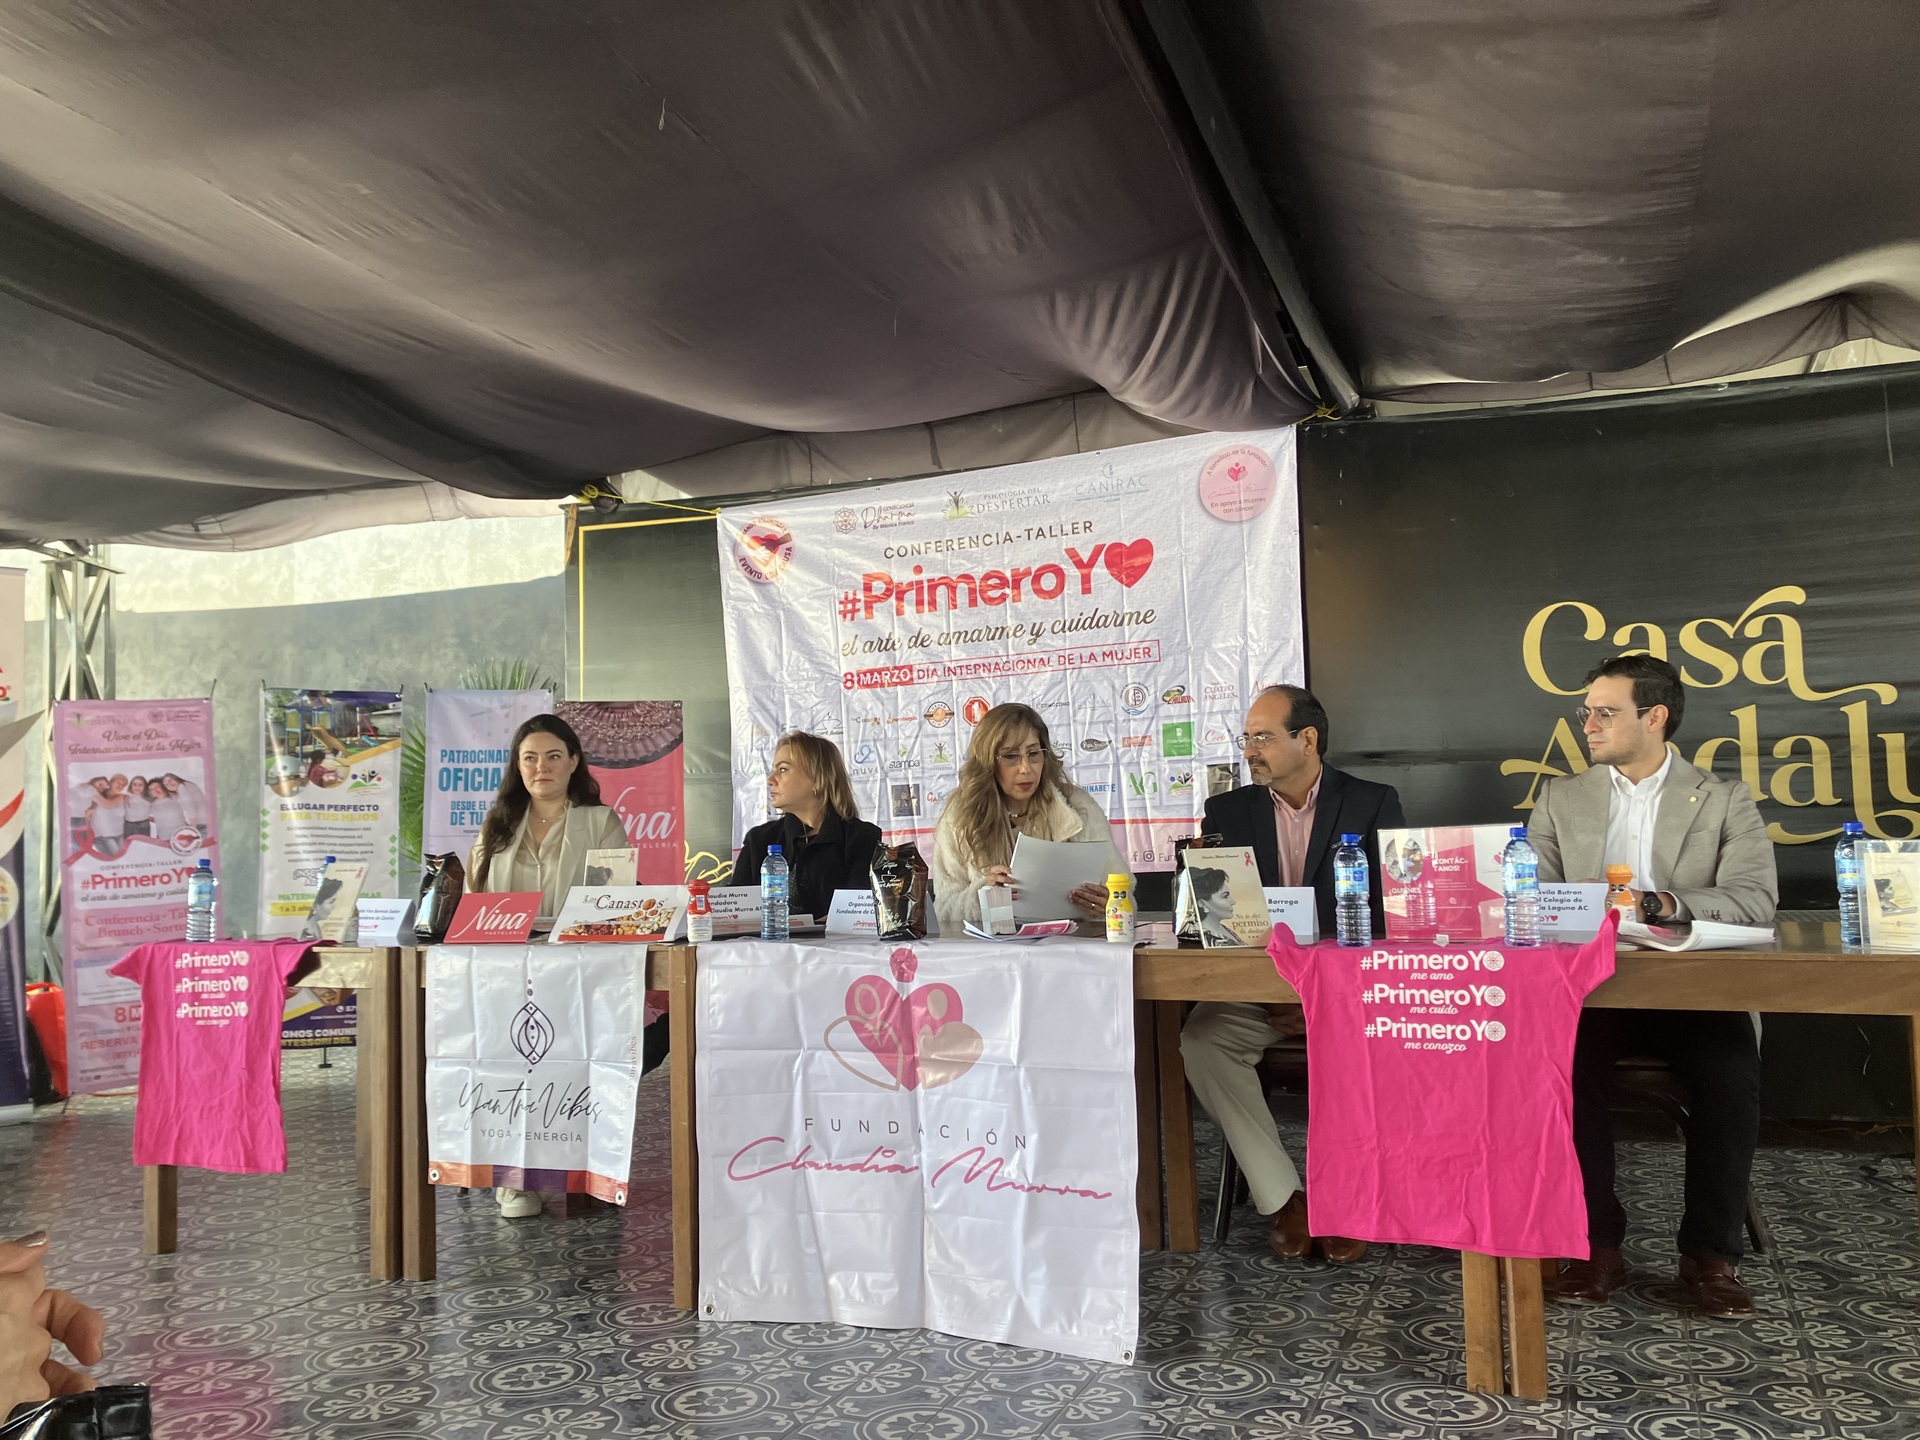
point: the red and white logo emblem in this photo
(764, 550)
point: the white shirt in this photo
(1631, 810)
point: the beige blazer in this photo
(957, 877)
(1710, 847)
(588, 827)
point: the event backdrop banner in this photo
(14, 1087)
(1134, 597)
(137, 815)
(634, 749)
(934, 1135)
(468, 735)
(330, 785)
(533, 1057)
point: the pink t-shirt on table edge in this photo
(1440, 1101)
(210, 1015)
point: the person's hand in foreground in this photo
(32, 1319)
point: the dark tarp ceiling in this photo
(261, 251)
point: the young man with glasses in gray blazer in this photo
(1699, 851)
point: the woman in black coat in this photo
(827, 845)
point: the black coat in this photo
(838, 857)
(1347, 805)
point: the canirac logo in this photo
(764, 550)
(975, 710)
(909, 1038)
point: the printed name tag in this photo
(384, 922)
(1294, 907)
(736, 909)
(852, 913)
(1572, 913)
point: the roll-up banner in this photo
(1135, 597)
(634, 749)
(468, 734)
(330, 786)
(137, 815)
(16, 1100)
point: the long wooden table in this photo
(1805, 972)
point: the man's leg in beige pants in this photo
(1221, 1044)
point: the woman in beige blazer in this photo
(536, 836)
(1011, 784)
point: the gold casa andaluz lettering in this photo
(1762, 646)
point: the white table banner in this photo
(938, 1135)
(533, 1055)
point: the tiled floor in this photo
(265, 1323)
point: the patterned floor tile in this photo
(265, 1323)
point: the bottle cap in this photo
(1619, 874)
(1118, 881)
(1853, 827)
(699, 887)
(1517, 832)
(773, 849)
(1349, 839)
(204, 865)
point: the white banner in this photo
(330, 785)
(468, 732)
(1136, 598)
(533, 1056)
(938, 1135)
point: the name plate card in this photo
(1572, 914)
(386, 922)
(1294, 906)
(505, 919)
(736, 910)
(853, 913)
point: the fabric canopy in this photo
(262, 256)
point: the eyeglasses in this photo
(1604, 715)
(1033, 756)
(1260, 739)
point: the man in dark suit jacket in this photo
(1292, 816)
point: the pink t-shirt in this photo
(1439, 1098)
(210, 1052)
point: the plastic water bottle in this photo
(203, 903)
(1846, 870)
(773, 895)
(1520, 880)
(1352, 902)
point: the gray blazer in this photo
(1710, 847)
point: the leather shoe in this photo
(1588, 1282)
(1341, 1250)
(1716, 1289)
(1289, 1237)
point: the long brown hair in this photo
(820, 758)
(509, 807)
(978, 811)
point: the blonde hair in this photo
(978, 811)
(820, 758)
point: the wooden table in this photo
(1805, 972)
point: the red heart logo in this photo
(1127, 563)
(1236, 470)
(904, 1031)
